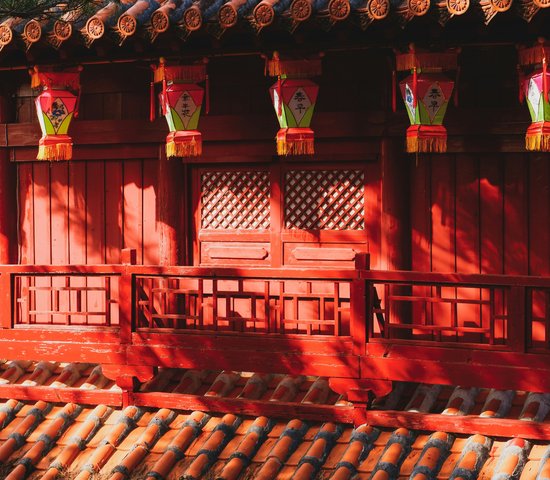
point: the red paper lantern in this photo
(426, 93)
(294, 97)
(56, 106)
(181, 101)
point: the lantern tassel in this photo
(295, 141)
(184, 144)
(55, 148)
(426, 139)
(537, 137)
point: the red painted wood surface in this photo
(85, 213)
(318, 348)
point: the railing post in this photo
(126, 296)
(517, 319)
(358, 316)
(6, 300)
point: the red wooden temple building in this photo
(329, 260)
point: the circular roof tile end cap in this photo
(458, 7)
(301, 10)
(418, 7)
(227, 16)
(127, 25)
(94, 28)
(339, 9)
(264, 14)
(378, 9)
(62, 30)
(160, 21)
(6, 35)
(501, 5)
(32, 31)
(192, 18)
(542, 3)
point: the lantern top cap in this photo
(47, 77)
(534, 55)
(447, 60)
(192, 73)
(278, 65)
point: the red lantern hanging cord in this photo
(279, 95)
(394, 91)
(544, 81)
(415, 86)
(207, 95)
(152, 112)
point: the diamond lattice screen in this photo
(236, 199)
(324, 200)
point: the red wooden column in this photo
(8, 202)
(172, 188)
(395, 219)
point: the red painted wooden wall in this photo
(86, 212)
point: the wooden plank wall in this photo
(481, 214)
(86, 212)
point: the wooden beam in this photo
(283, 410)
(464, 425)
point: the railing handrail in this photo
(317, 273)
(314, 273)
(455, 279)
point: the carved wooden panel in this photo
(235, 200)
(324, 200)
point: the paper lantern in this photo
(56, 106)
(426, 93)
(294, 98)
(534, 87)
(294, 102)
(181, 101)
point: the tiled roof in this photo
(43, 440)
(151, 18)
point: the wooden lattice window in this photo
(235, 200)
(325, 200)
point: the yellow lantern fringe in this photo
(533, 55)
(426, 144)
(295, 147)
(184, 149)
(180, 73)
(539, 142)
(55, 152)
(307, 67)
(426, 60)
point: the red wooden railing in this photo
(490, 330)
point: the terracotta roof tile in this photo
(42, 440)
